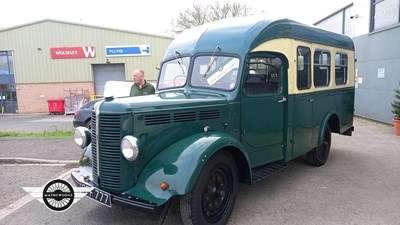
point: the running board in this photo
(262, 172)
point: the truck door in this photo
(264, 106)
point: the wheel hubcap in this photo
(217, 194)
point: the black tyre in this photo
(88, 124)
(213, 197)
(319, 155)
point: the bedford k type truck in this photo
(237, 99)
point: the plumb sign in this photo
(127, 50)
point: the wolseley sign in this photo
(73, 52)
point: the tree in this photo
(200, 14)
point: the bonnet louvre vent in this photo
(184, 117)
(156, 119)
(209, 114)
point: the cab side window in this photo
(303, 68)
(263, 76)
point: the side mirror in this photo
(300, 63)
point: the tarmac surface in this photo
(51, 149)
(358, 185)
(36, 123)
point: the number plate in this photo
(100, 196)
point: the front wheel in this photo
(319, 155)
(213, 197)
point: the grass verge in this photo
(44, 134)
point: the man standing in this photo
(141, 87)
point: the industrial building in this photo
(50, 59)
(374, 26)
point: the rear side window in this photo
(303, 68)
(341, 62)
(322, 68)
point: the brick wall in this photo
(32, 98)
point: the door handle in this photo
(311, 100)
(282, 100)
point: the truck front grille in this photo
(106, 151)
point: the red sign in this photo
(73, 52)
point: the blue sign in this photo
(128, 50)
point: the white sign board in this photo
(381, 73)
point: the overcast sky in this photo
(150, 16)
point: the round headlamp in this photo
(82, 137)
(129, 148)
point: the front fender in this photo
(88, 153)
(179, 165)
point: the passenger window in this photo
(303, 68)
(263, 76)
(322, 68)
(341, 68)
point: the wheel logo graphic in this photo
(58, 195)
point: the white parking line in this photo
(26, 199)
(51, 120)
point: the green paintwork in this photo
(260, 129)
(179, 166)
(311, 113)
(264, 120)
(241, 35)
(87, 152)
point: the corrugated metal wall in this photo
(31, 45)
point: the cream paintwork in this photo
(288, 47)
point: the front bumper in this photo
(83, 178)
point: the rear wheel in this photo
(319, 155)
(213, 197)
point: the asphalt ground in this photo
(358, 185)
(36, 123)
(31, 162)
(50, 149)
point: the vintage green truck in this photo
(237, 99)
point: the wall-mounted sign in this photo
(73, 52)
(127, 50)
(381, 73)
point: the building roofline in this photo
(335, 12)
(83, 25)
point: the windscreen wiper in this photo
(179, 63)
(213, 60)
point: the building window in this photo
(6, 68)
(385, 13)
(303, 68)
(8, 94)
(322, 68)
(4, 65)
(341, 68)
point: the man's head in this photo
(138, 76)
